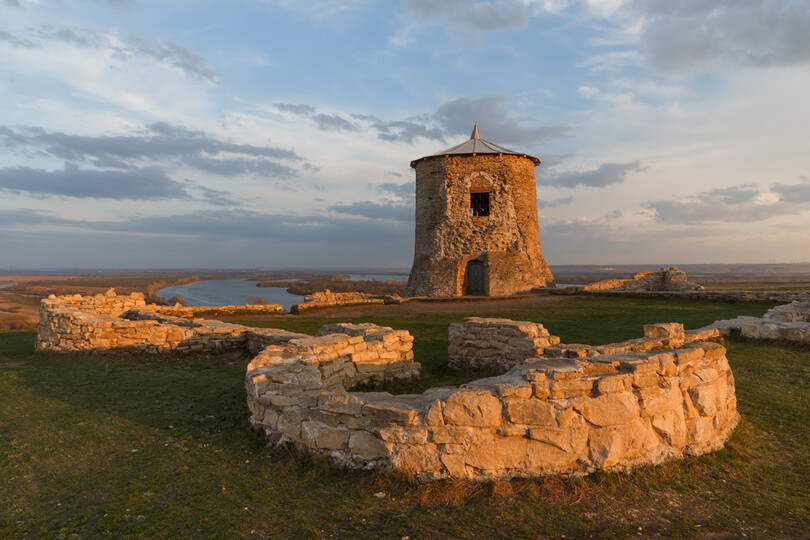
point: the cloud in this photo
(333, 122)
(556, 202)
(473, 14)
(149, 183)
(153, 143)
(213, 196)
(119, 48)
(736, 204)
(300, 109)
(377, 211)
(494, 121)
(793, 193)
(607, 174)
(405, 131)
(404, 192)
(678, 37)
(218, 238)
(447, 121)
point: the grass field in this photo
(140, 446)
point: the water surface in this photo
(225, 292)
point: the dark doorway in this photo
(475, 277)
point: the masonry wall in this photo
(487, 343)
(447, 237)
(666, 279)
(545, 416)
(77, 323)
(790, 322)
(327, 299)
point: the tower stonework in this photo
(476, 223)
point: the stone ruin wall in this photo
(108, 321)
(569, 409)
(327, 299)
(447, 237)
(666, 279)
(666, 395)
(789, 322)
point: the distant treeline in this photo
(339, 284)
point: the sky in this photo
(279, 133)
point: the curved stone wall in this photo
(666, 395)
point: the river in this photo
(224, 292)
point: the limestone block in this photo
(404, 435)
(531, 411)
(472, 408)
(610, 446)
(566, 388)
(612, 384)
(656, 401)
(664, 330)
(709, 398)
(390, 411)
(365, 446)
(498, 453)
(608, 409)
(422, 459)
(569, 440)
(330, 438)
(671, 426)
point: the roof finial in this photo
(475, 134)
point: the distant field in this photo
(159, 447)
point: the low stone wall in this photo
(547, 415)
(108, 303)
(790, 322)
(666, 279)
(478, 343)
(327, 299)
(77, 323)
(68, 329)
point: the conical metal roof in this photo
(476, 145)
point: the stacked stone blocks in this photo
(327, 299)
(790, 322)
(564, 415)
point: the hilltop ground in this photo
(129, 445)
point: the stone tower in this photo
(476, 223)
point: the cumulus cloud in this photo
(681, 36)
(607, 174)
(478, 15)
(736, 204)
(149, 183)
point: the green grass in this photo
(22, 300)
(135, 446)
